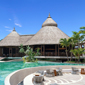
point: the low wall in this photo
(17, 76)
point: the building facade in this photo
(47, 39)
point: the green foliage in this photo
(21, 49)
(23, 59)
(84, 61)
(65, 43)
(27, 59)
(82, 32)
(78, 52)
(76, 39)
(30, 53)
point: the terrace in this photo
(26, 75)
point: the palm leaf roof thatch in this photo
(25, 38)
(48, 34)
(11, 40)
(14, 39)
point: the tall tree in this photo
(78, 52)
(78, 38)
(72, 43)
(82, 32)
(65, 43)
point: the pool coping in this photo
(17, 76)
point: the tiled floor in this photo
(66, 79)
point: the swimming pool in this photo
(8, 67)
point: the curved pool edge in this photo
(17, 76)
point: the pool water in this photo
(8, 67)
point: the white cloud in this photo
(9, 30)
(18, 24)
(10, 19)
(16, 21)
(6, 27)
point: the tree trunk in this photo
(79, 55)
(67, 54)
(71, 56)
(78, 58)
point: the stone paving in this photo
(66, 79)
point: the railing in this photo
(49, 53)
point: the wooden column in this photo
(17, 55)
(55, 50)
(32, 46)
(1, 51)
(10, 51)
(41, 50)
(58, 49)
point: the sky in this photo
(27, 16)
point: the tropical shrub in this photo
(30, 54)
(78, 52)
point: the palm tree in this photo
(82, 31)
(78, 38)
(21, 50)
(72, 43)
(78, 52)
(65, 43)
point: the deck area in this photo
(66, 79)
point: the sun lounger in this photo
(75, 70)
(59, 71)
(41, 72)
(38, 80)
(49, 73)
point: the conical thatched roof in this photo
(49, 22)
(11, 40)
(48, 34)
(14, 39)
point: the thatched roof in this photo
(11, 40)
(48, 34)
(49, 22)
(25, 38)
(14, 39)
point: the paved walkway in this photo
(66, 79)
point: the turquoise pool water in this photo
(8, 67)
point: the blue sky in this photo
(27, 16)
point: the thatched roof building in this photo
(14, 39)
(11, 40)
(47, 39)
(48, 34)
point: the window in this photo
(76, 46)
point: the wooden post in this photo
(44, 50)
(17, 49)
(1, 51)
(10, 51)
(58, 49)
(41, 50)
(55, 50)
